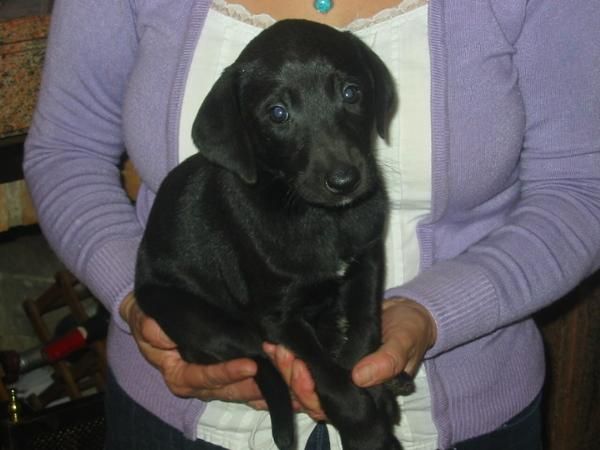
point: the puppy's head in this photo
(302, 103)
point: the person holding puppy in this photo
(493, 170)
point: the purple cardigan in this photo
(515, 220)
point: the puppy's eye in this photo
(278, 114)
(351, 93)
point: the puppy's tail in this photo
(277, 395)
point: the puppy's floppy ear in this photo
(383, 86)
(219, 131)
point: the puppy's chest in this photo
(309, 264)
(298, 265)
(311, 247)
(323, 256)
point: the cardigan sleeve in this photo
(550, 240)
(75, 145)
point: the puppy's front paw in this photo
(402, 384)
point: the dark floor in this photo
(27, 268)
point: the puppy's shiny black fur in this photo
(273, 231)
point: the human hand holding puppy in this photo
(229, 381)
(408, 330)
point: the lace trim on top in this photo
(239, 12)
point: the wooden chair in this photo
(89, 369)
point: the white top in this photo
(406, 164)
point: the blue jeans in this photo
(131, 427)
(522, 432)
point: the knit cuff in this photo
(460, 298)
(110, 275)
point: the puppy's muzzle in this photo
(343, 179)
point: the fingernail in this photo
(247, 372)
(268, 347)
(248, 369)
(364, 375)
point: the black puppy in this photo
(273, 231)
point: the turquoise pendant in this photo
(323, 6)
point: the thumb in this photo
(378, 367)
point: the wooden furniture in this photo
(3, 391)
(78, 423)
(571, 330)
(89, 370)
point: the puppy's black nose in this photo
(343, 179)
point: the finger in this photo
(245, 391)
(269, 348)
(384, 364)
(259, 405)
(262, 405)
(296, 406)
(303, 386)
(284, 361)
(146, 328)
(159, 358)
(214, 376)
(154, 334)
(284, 366)
(297, 376)
(413, 364)
(229, 381)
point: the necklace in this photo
(323, 6)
